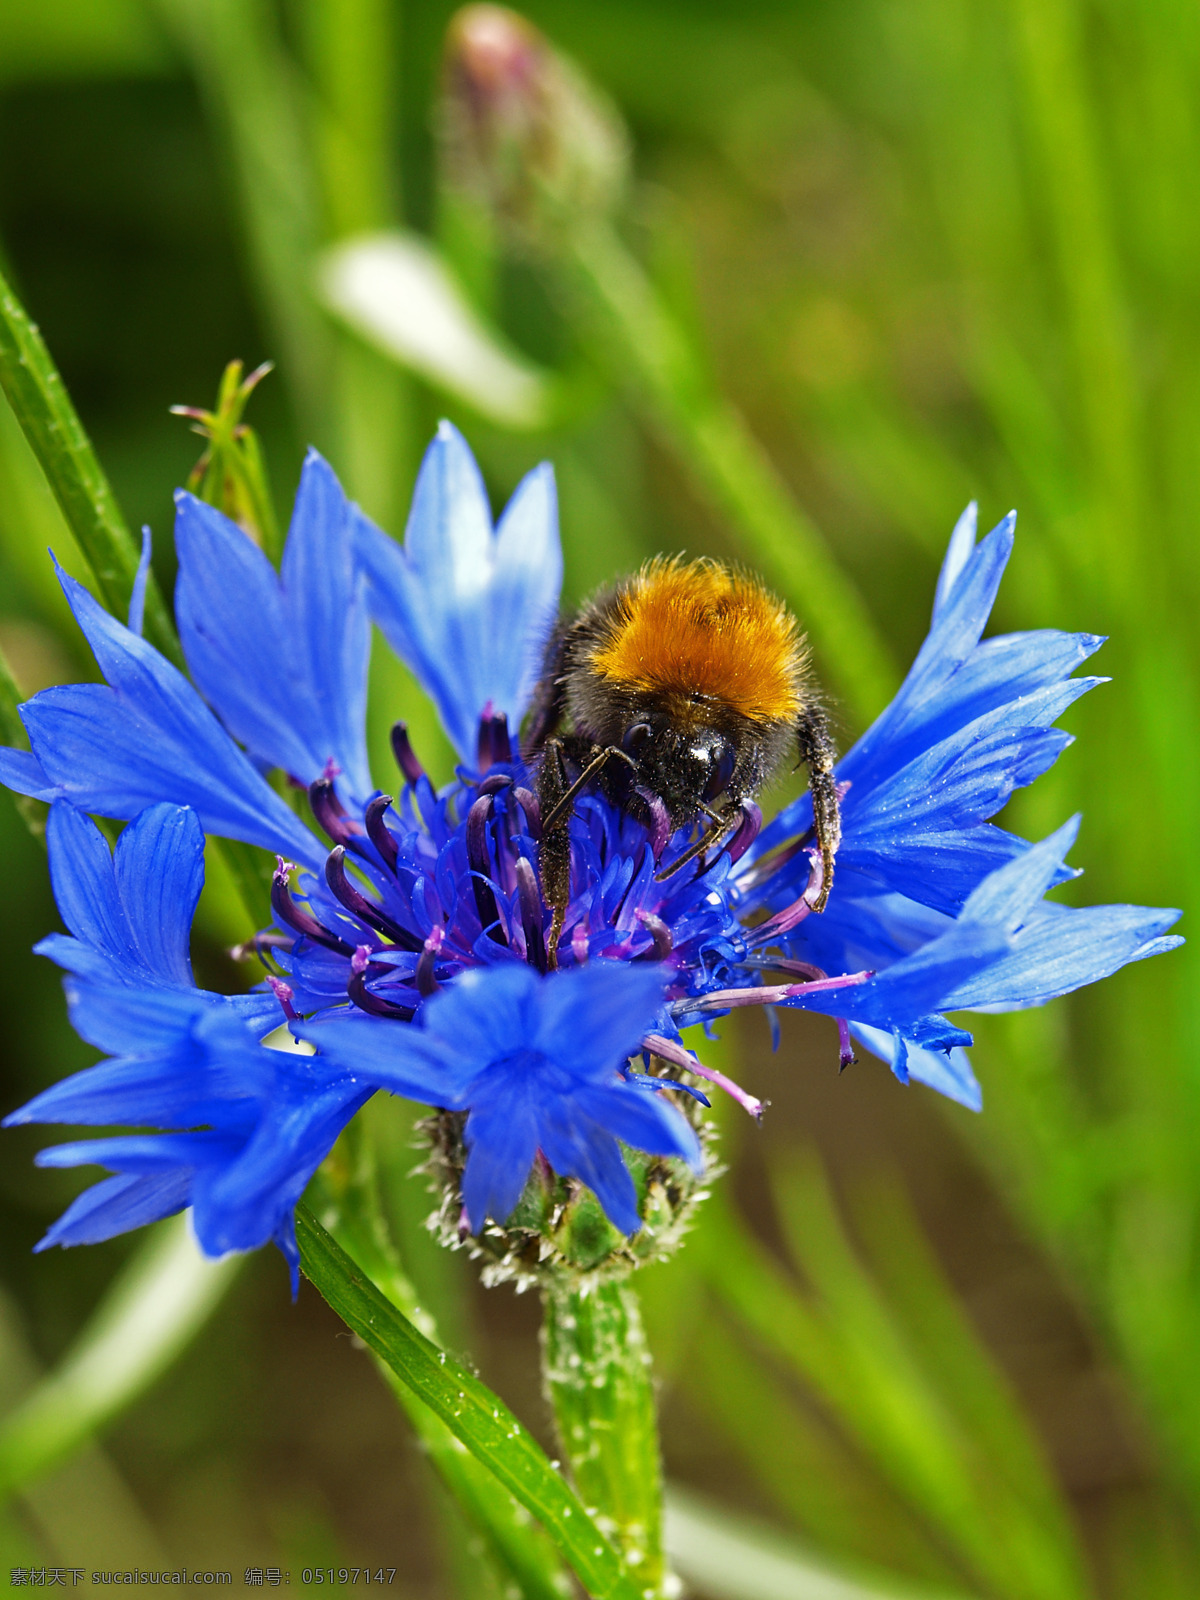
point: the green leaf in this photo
(475, 1415)
(50, 422)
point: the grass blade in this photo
(51, 424)
(475, 1415)
(732, 1558)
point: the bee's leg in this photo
(601, 758)
(717, 830)
(554, 855)
(818, 752)
(556, 799)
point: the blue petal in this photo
(1061, 948)
(596, 1016)
(643, 1119)
(577, 1147)
(1006, 897)
(172, 1090)
(159, 867)
(488, 1012)
(21, 770)
(241, 1204)
(282, 659)
(126, 1020)
(144, 1153)
(137, 597)
(149, 737)
(469, 610)
(502, 1139)
(949, 1072)
(207, 1071)
(85, 888)
(398, 1056)
(116, 1205)
(958, 553)
(917, 985)
(971, 722)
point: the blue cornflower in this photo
(409, 943)
(533, 1063)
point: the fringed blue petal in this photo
(281, 658)
(148, 737)
(467, 608)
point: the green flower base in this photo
(558, 1232)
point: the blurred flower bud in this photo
(522, 130)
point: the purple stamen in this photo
(495, 783)
(766, 994)
(267, 939)
(668, 1050)
(481, 867)
(747, 831)
(405, 758)
(791, 916)
(579, 943)
(802, 969)
(501, 743)
(303, 922)
(427, 983)
(528, 803)
(846, 1056)
(664, 943)
(329, 811)
(530, 899)
(659, 823)
(374, 1005)
(358, 905)
(283, 993)
(493, 743)
(484, 749)
(378, 831)
(464, 1224)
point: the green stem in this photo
(476, 1417)
(597, 1370)
(42, 406)
(633, 331)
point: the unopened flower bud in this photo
(523, 131)
(231, 474)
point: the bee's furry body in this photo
(695, 681)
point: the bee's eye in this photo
(719, 776)
(635, 738)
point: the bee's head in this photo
(683, 764)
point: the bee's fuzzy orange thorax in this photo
(695, 628)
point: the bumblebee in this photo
(679, 692)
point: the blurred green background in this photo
(928, 251)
